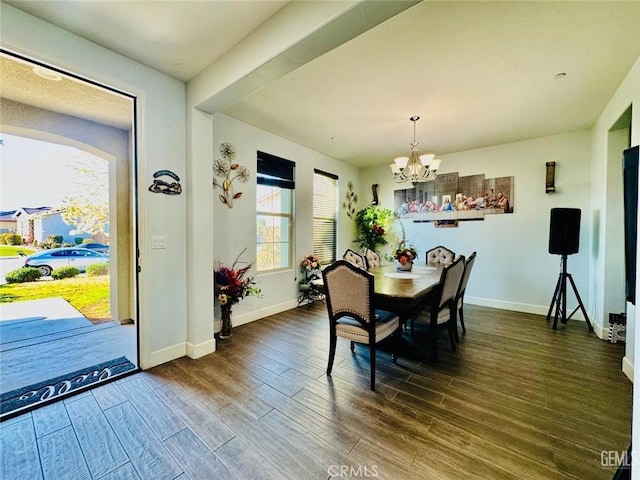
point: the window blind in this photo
(325, 194)
(275, 171)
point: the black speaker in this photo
(564, 231)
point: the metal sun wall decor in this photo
(224, 168)
(160, 186)
(452, 198)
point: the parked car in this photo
(96, 247)
(79, 257)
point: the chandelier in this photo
(415, 168)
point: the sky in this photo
(34, 173)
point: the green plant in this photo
(373, 222)
(98, 269)
(22, 275)
(3, 238)
(64, 272)
(13, 239)
(53, 239)
(78, 240)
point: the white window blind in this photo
(325, 216)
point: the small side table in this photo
(310, 292)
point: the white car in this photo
(48, 260)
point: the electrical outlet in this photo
(158, 241)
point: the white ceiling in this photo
(478, 73)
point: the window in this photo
(325, 207)
(275, 189)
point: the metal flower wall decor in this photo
(228, 171)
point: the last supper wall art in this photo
(451, 198)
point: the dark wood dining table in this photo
(404, 292)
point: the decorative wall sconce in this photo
(223, 169)
(550, 178)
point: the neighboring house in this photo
(8, 222)
(36, 224)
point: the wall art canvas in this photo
(451, 198)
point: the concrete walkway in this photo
(43, 339)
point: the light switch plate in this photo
(158, 241)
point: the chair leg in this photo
(452, 337)
(464, 330)
(332, 352)
(433, 332)
(372, 355)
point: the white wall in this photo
(235, 228)
(513, 269)
(161, 145)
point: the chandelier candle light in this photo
(415, 168)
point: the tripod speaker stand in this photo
(564, 239)
(559, 300)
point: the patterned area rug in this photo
(55, 387)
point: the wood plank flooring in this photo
(517, 400)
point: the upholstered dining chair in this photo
(439, 256)
(349, 298)
(372, 258)
(355, 258)
(441, 310)
(468, 265)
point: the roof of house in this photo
(7, 216)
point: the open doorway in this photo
(72, 219)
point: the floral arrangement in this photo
(310, 267)
(402, 252)
(233, 284)
(223, 169)
(372, 224)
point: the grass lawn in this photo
(88, 295)
(12, 250)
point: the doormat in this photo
(56, 387)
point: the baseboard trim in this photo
(201, 349)
(627, 368)
(167, 354)
(252, 316)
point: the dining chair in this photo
(439, 256)
(349, 298)
(372, 258)
(355, 258)
(468, 265)
(441, 310)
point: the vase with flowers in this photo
(310, 269)
(232, 284)
(402, 253)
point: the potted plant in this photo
(373, 223)
(232, 284)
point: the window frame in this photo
(277, 173)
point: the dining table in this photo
(404, 292)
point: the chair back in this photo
(468, 265)
(355, 258)
(373, 258)
(450, 280)
(440, 256)
(349, 292)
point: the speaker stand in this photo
(559, 300)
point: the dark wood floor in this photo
(517, 400)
